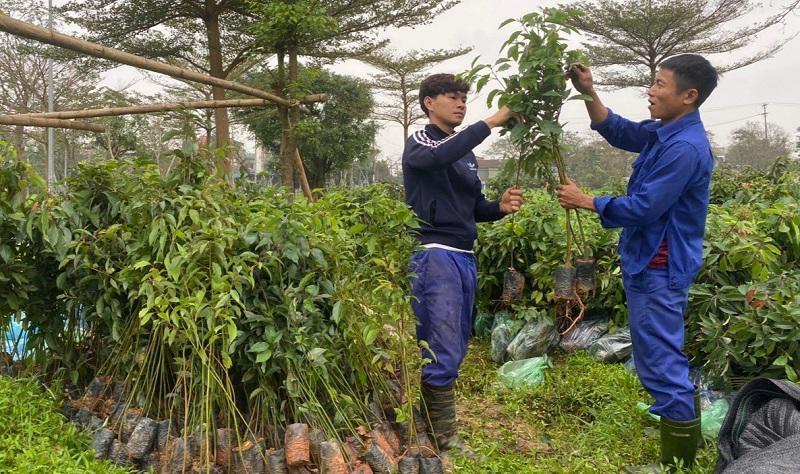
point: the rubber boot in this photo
(439, 410)
(679, 440)
(698, 412)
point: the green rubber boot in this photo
(698, 413)
(679, 440)
(439, 410)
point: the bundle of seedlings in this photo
(224, 309)
(532, 84)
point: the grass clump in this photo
(36, 438)
(582, 420)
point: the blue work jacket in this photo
(667, 197)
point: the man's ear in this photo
(690, 97)
(428, 101)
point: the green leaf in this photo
(336, 313)
(506, 22)
(263, 356)
(791, 374)
(518, 132)
(259, 347)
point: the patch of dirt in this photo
(487, 417)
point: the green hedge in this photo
(212, 300)
(744, 309)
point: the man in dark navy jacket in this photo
(663, 218)
(440, 176)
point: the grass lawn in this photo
(36, 438)
(583, 419)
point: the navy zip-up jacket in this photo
(668, 193)
(440, 177)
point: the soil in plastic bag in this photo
(564, 282)
(584, 334)
(526, 373)
(297, 445)
(613, 347)
(431, 466)
(513, 285)
(533, 340)
(503, 333)
(585, 271)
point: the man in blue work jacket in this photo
(663, 218)
(440, 177)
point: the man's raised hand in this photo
(581, 78)
(511, 201)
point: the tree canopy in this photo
(327, 30)
(333, 135)
(628, 39)
(210, 36)
(750, 147)
(399, 78)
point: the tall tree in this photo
(628, 39)
(750, 147)
(210, 36)
(24, 84)
(399, 78)
(327, 30)
(333, 135)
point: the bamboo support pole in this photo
(27, 121)
(301, 174)
(153, 108)
(30, 31)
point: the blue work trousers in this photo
(656, 313)
(443, 292)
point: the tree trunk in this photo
(301, 175)
(406, 112)
(19, 141)
(30, 121)
(294, 119)
(218, 93)
(287, 171)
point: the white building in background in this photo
(260, 160)
(488, 169)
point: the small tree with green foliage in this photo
(333, 135)
(537, 55)
(329, 30)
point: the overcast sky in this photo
(738, 98)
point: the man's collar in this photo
(665, 132)
(436, 131)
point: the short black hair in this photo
(692, 71)
(438, 84)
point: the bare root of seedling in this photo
(566, 309)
